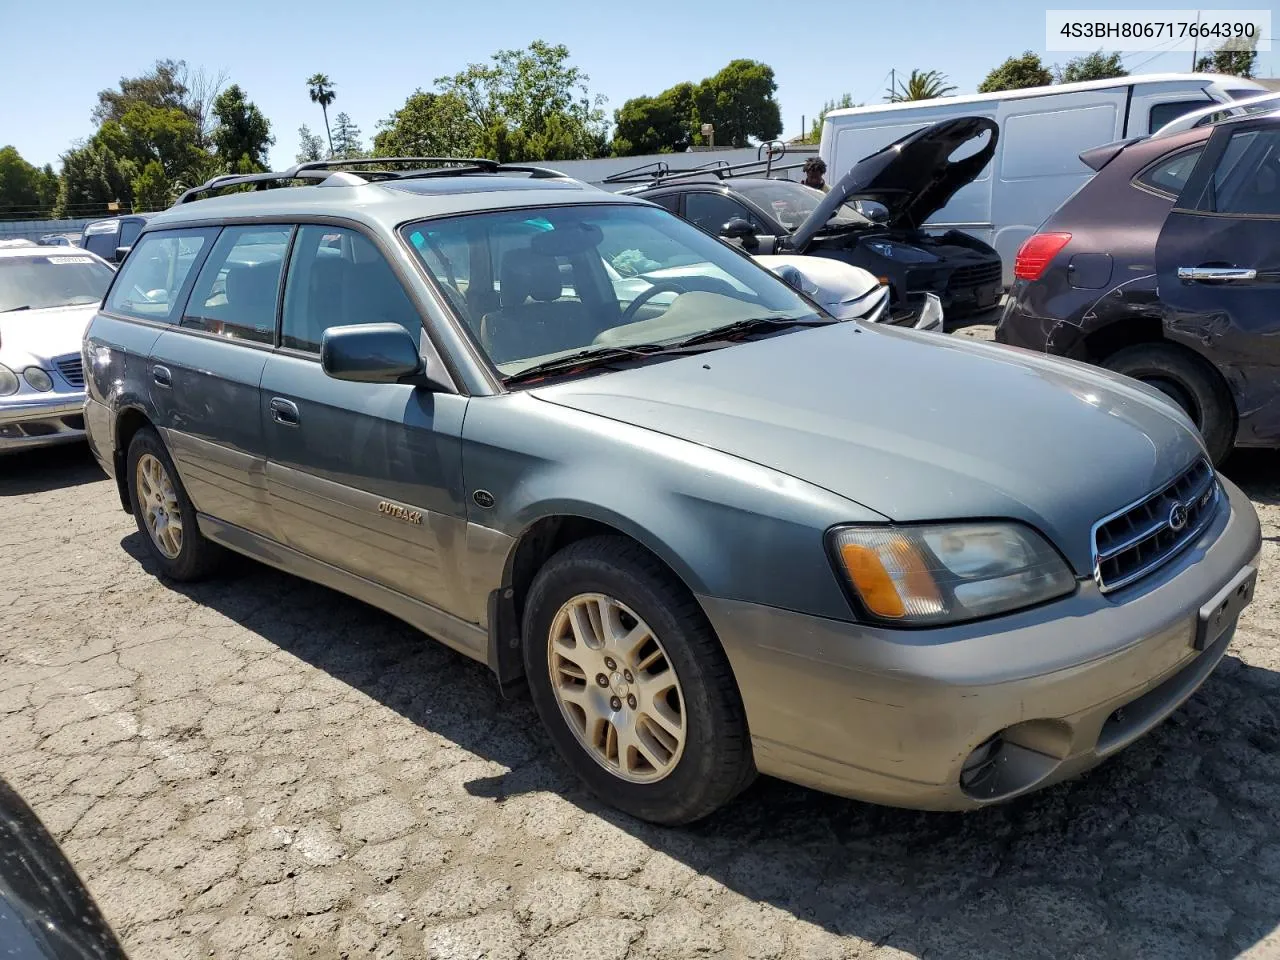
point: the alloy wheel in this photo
(159, 503)
(617, 688)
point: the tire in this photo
(195, 557)
(1190, 382)
(713, 762)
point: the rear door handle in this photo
(284, 411)
(161, 376)
(1217, 273)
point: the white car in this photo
(850, 293)
(47, 297)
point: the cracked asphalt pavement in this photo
(260, 767)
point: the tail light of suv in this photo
(1036, 253)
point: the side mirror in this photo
(738, 229)
(370, 353)
(874, 211)
(120, 254)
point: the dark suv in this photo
(111, 237)
(1166, 267)
(871, 218)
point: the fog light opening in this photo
(981, 763)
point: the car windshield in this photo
(537, 284)
(791, 203)
(51, 280)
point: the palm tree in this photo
(322, 93)
(921, 85)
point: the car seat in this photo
(533, 319)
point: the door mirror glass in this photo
(737, 229)
(873, 210)
(370, 353)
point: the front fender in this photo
(729, 528)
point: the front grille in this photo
(975, 275)
(72, 369)
(1134, 541)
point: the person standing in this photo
(814, 174)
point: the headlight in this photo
(947, 573)
(38, 379)
(8, 381)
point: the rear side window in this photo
(711, 211)
(1247, 179)
(150, 283)
(239, 284)
(1168, 175)
(129, 231)
(338, 277)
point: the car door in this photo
(206, 373)
(1218, 268)
(364, 476)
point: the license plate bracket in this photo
(1219, 612)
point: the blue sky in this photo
(379, 53)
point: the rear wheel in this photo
(1190, 383)
(164, 513)
(632, 684)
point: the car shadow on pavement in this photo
(52, 468)
(1171, 849)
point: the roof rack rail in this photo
(659, 172)
(371, 169)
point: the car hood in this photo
(912, 176)
(43, 334)
(914, 426)
(843, 289)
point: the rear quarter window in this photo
(156, 274)
(1168, 175)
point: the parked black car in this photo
(1166, 267)
(111, 237)
(46, 913)
(871, 218)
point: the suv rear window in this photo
(149, 284)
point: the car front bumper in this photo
(41, 420)
(896, 716)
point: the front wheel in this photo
(632, 684)
(1190, 383)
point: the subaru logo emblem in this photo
(1177, 517)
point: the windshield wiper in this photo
(590, 357)
(750, 325)
(25, 306)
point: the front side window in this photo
(337, 277)
(150, 282)
(711, 211)
(1162, 113)
(235, 294)
(51, 280)
(1169, 174)
(564, 279)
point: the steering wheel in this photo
(662, 286)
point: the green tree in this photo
(522, 90)
(170, 84)
(428, 125)
(1017, 73)
(1092, 66)
(242, 132)
(151, 188)
(842, 102)
(164, 134)
(321, 89)
(739, 102)
(1235, 57)
(920, 85)
(660, 124)
(347, 144)
(93, 177)
(24, 187)
(310, 146)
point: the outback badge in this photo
(400, 512)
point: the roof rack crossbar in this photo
(719, 169)
(481, 162)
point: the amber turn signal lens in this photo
(882, 591)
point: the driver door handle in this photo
(1217, 273)
(284, 411)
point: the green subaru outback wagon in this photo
(713, 529)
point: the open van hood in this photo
(911, 176)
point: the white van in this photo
(1043, 131)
